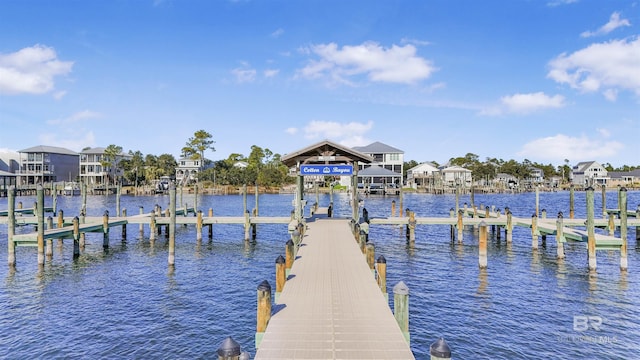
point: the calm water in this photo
(124, 303)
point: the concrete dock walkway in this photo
(331, 307)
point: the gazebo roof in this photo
(325, 152)
(377, 171)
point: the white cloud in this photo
(609, 65)
(397, 64)
(614, 23)
(524, 104)
(31, 70)
(291, 130)
(277, 33)
(415, 42)
(271, 73)
(77, 117)
(244, 75)
(554, 3)
(348, 134)
(560, 147)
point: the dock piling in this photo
(381, 271)
(534, 232)
(172, 225)
(439, 350)
(105, 229)
(49, 246)
(40, 213)
(263, 310)
(11, 246)
(401, 308)
(482, 245)
(370, 254)
(229, 350)
(591, 237)
(289, 253)
(76, 237)
(560, 239)
(281, 276)
(623, 229)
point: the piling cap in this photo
(289, 242)
(440, 349)
(264, 286)
(381, 260)
(229, 347)
(401, 288)
(280, 260)
(244, 356)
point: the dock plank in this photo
(332, 308)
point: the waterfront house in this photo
(46, 164)
(187, 171)
(94, 171)
(624, 178)
(423, 175)
(507, 181)
(456, 175)
(589, 173)
(386, 157)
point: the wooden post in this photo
(118, 190)
(195, 197)
(571, 202)
(105, 229)
(611, 225)
(40, 214)
(11, 226)
(264, 310)
(362, 241)
(412, 227)
(591, 237)
(381, 265)
(453, 231)
(152, 226)
(498, 227)
(371, 253)
(638, 227)
(211, 225)
(401, 201)
(460, 226)
(281, 276)
(141, 226)
(54, 194)
(457, 198)
(244, 198)
(83, 190)
(247, 225)
(439, 350)
(604, 200)
(401, 308)
(534, 232)
(199, 225)
(167, 214)
(537, 201)
(124, 226)
(509, 229)
(172, 225)
(560, 239)
(60, 222)
(76, 237)
(482, 245)
(393, 208)
(49, 247)
(289, 253)
(623, 229)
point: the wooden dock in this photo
(331, 307)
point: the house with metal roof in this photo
(386, 157)
(422, 175)
(92, 168)
(589, 173)
(46, 164)
(624, 178)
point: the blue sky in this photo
(543, 80)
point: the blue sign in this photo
(322, 170)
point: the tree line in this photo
(264, 168)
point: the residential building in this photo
(187, 170)
(423, 175)
(456, 175)
(46, 164)
(93, 170)
(624, 178)
(589, 173)
(386, 157)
